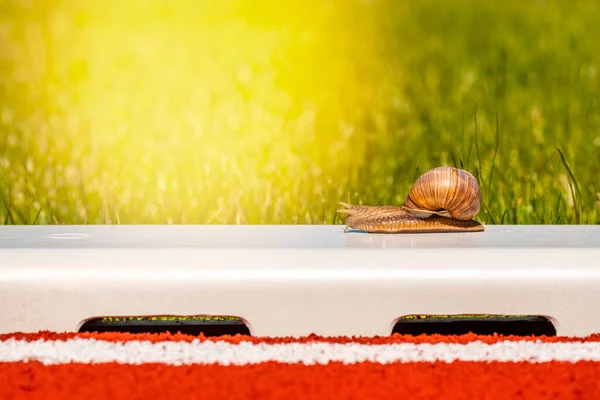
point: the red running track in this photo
(82, 366)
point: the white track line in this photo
(196, 352)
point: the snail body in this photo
(443, 199)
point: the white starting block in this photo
(296, 280)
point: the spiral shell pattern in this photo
(444, 191)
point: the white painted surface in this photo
(186, 353)
(296, 280)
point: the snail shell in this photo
(445, 191)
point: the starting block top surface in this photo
(292, 236)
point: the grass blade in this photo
(9, 216)
(495, 152)
(490, 214)
(37, 216)
(573, 182)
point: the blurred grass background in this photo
(265, 111)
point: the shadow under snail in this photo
(443, 199)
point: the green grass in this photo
(273, 112)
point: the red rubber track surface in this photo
(460, 380)
(462, 339)
(271, 380)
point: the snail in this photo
(443, 199)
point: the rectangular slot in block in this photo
(515, 325)
(207, 325)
